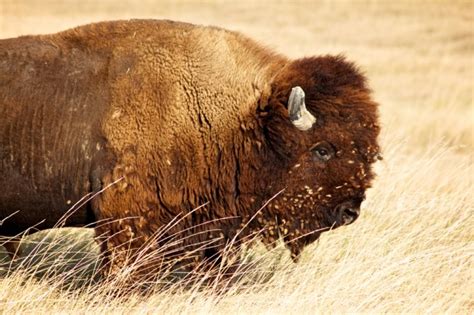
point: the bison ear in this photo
(299, 115)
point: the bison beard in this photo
(202, 137)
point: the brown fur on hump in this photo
(183, 126)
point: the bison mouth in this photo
(344, 213)
(297, 244)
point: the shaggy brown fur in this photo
(181, 116)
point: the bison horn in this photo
(299, 115)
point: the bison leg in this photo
(117, 248)
(126, 213)
(12, 246)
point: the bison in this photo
(192, 133)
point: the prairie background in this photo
(412, 249)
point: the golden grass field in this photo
(412, 249)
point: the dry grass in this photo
(412, 249)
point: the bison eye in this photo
(322, 151)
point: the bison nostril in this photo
(347, 212)
(351, 212)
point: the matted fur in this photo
(180, 116)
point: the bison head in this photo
(323, 128)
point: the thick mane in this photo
(321, 77)
(331, 75)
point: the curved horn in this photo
(299, 115)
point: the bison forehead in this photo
(354, 140)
